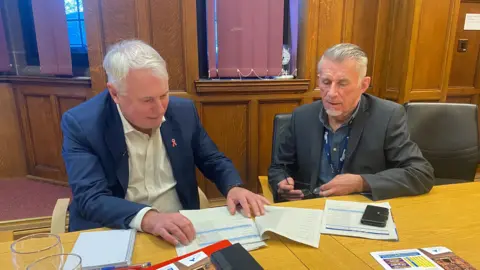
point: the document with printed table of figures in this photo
(432, 258)
(216, 224)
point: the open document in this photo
(215, 224)
(298, 224)
(343, 218)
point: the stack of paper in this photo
(215, 224)
(105, 248)
(343, 218)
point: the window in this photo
(247, 39)
(28, 33)
(77, 35)
(36, 17)
(76, 25)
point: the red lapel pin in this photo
(174, 143)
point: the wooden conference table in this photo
(448, 216)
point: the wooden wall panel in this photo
(354, 21)
(118, 20)
(472, 99)
(66, 103)
(42, 136)
(167, 39)
(330, 25)
(169, 26)
(432, 45)
(266, 112)
(41, 106)
(12, 159)
(227, 124)
(401, 19)
(465, 66)
(365, 15)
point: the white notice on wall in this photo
(472, 21)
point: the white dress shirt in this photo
(150, 179)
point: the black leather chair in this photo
(447, 134)
(280, 123)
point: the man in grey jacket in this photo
(349, 142)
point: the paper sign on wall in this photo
(472, 21)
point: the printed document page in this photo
(297, 224)
(343, 218)
(216, 224)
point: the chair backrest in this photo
(280, 123)
(447, 134)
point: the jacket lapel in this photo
(316, 146)
(174, 145)
(115, 141)
(357, 130)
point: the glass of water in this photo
(29, 249)
(57, 262)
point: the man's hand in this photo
(286, 191)
(246, 199)
(344, 184)
(172, 227)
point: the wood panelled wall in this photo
(12, 159)
(41, 106)
(31, 136)
(411, 46)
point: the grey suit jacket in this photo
(379, 149)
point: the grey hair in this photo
(342, 51)
(129, 55)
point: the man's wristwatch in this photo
(234, 185)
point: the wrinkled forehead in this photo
(337, 70)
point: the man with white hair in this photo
(349, 142)
(131, 152)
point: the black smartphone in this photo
(307, 194)
(375, 216)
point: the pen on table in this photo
(285, 173)
(131, 267)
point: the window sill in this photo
(251, 86)
(44, 79)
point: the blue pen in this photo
(130, 267)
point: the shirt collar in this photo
(127, 127)
(324, 117)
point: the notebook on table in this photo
(105, 248)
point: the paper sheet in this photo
(472, 21)
(343, 218)
(298, 224)
(216, 224)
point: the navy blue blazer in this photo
(96, 160)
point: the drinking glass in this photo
(29, 249)
(57, 262)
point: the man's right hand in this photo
(172, 227)
(287, 192)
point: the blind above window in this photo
(4, 57)
(244, 38)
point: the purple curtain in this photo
(4, 57)
(249, 36)
(52, 37)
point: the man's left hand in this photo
(247, 200)
(343, 184)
